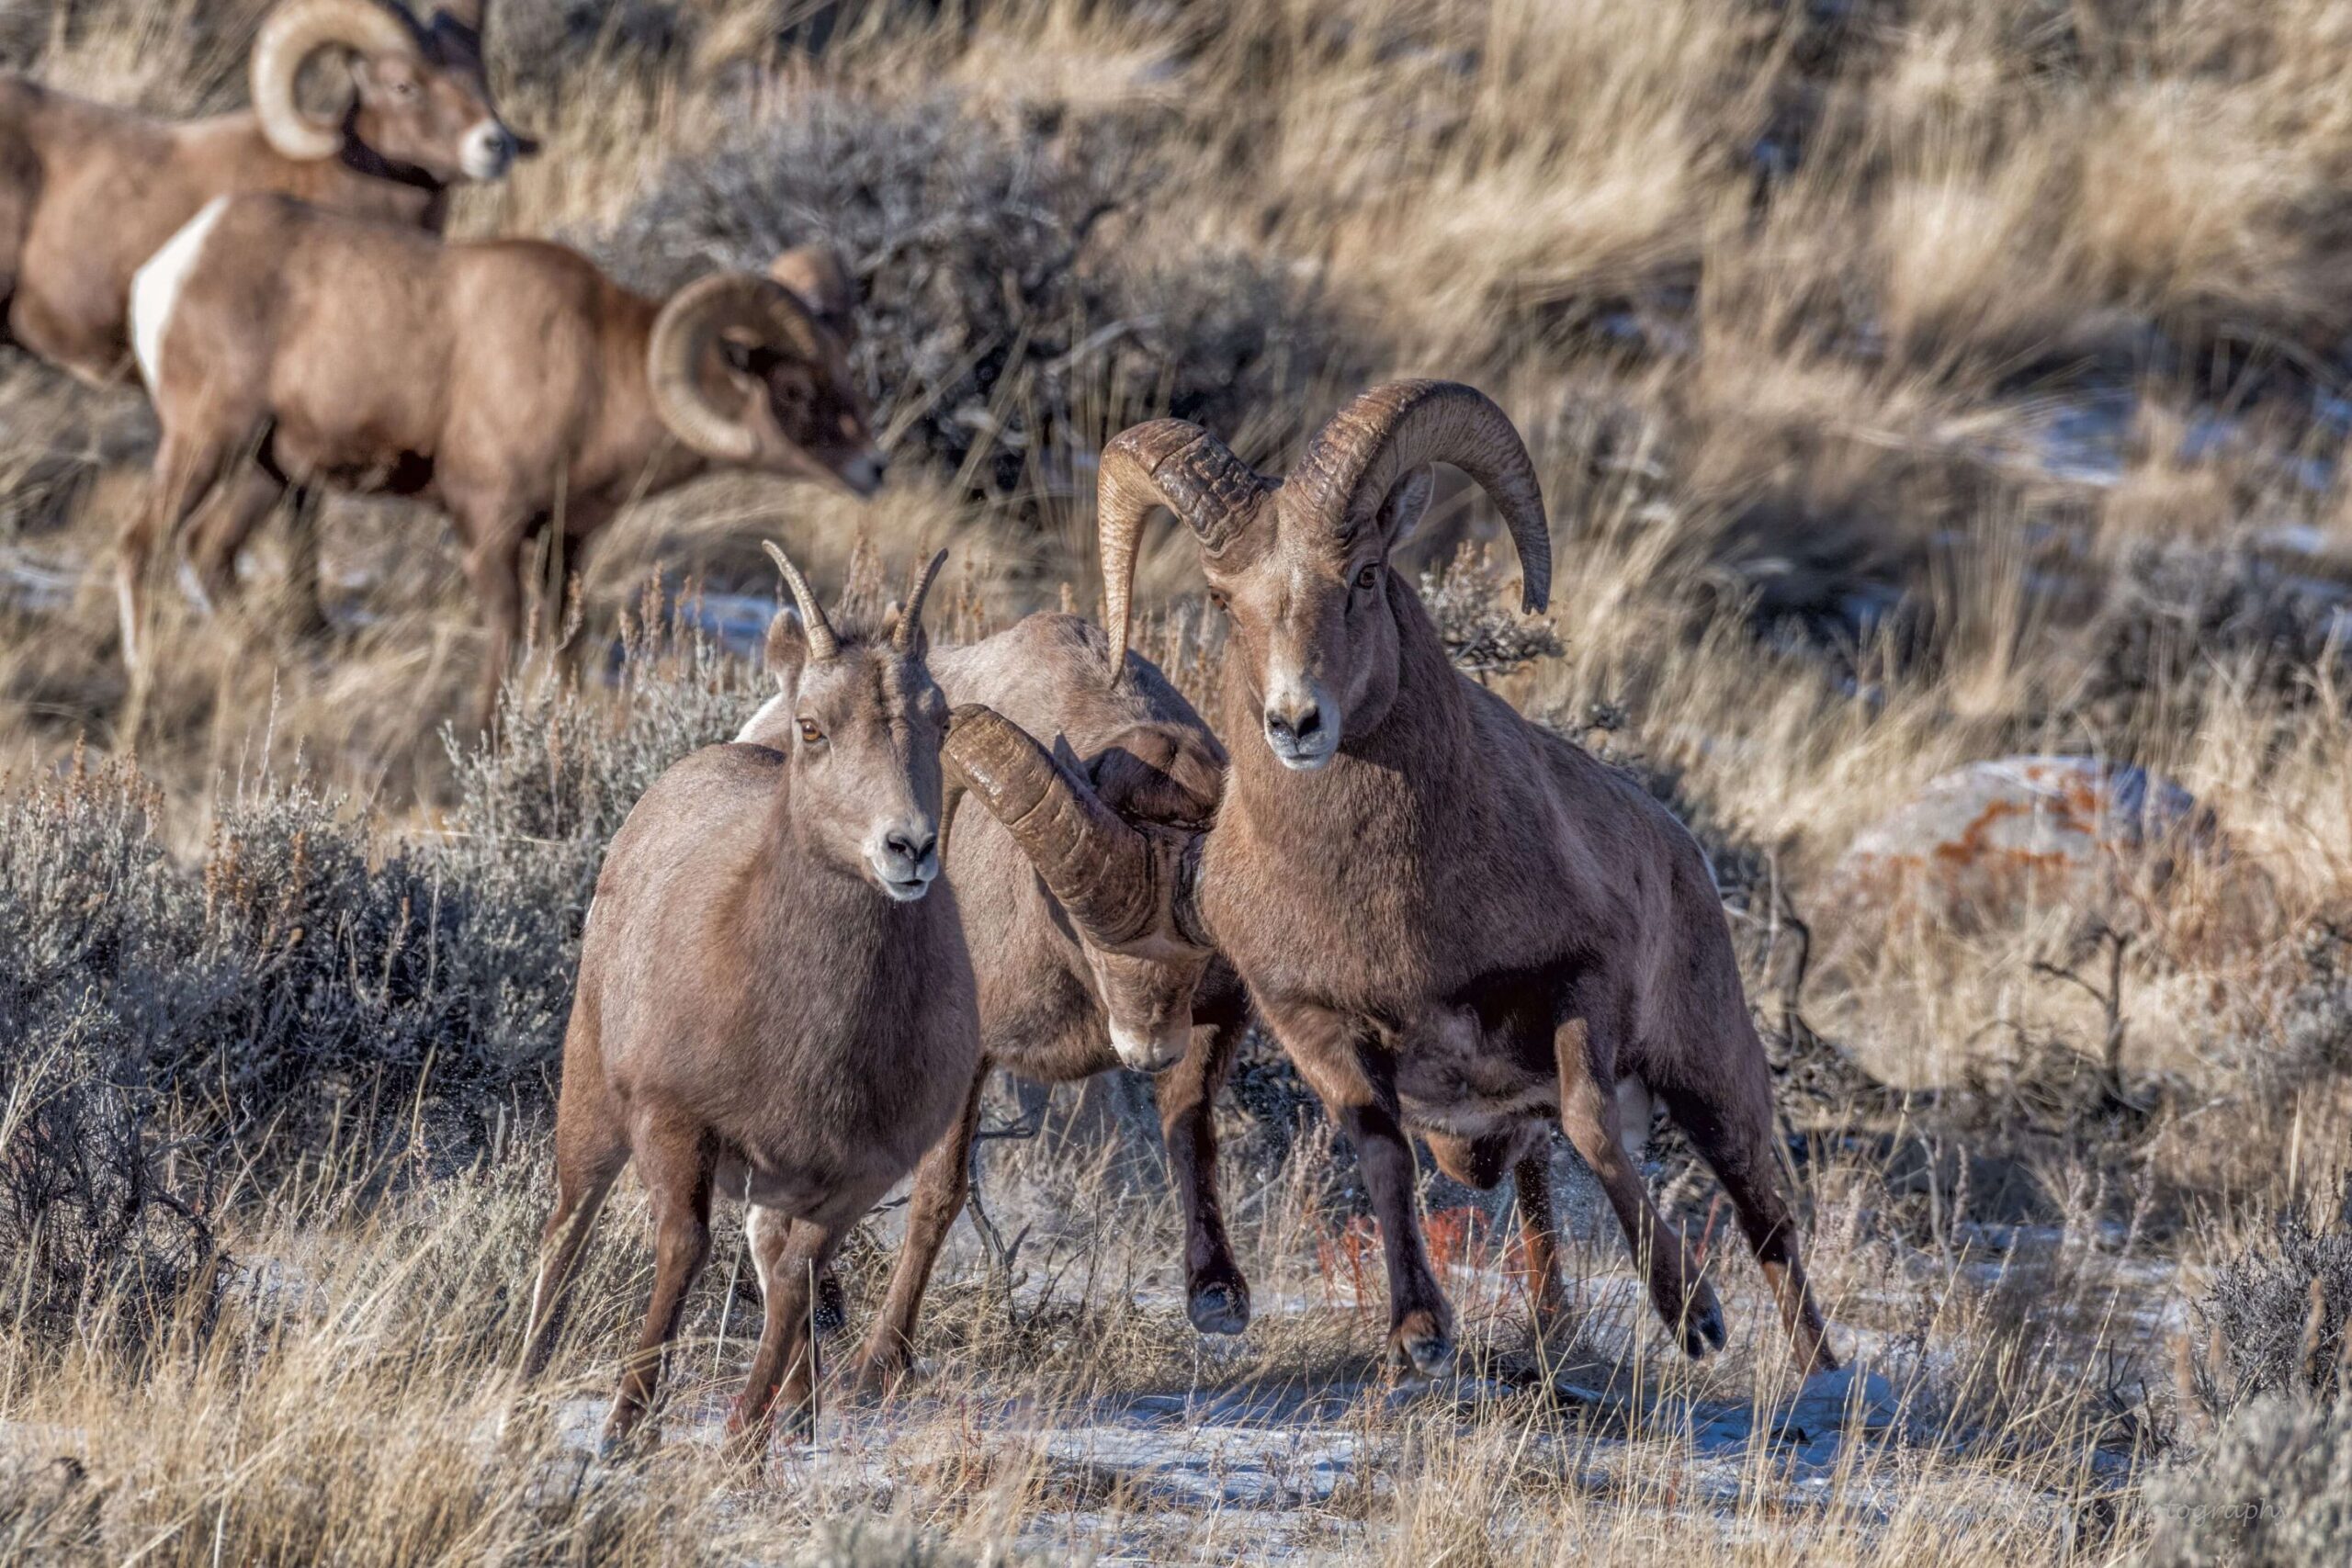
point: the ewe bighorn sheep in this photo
(89, 192)
(1056, 1006)
(1451, 920)
(768, 1004)
(511, 380)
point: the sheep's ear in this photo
(1152, 774)
(818, 278)
(1407, 499)
(787, 648)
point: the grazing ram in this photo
(1452, 919)
(769, 1005)
(89, 192)
(511, 380)
(1056, 1005)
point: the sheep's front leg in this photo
(1358, 1087)
(1217, 1294)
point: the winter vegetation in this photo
(1940, 406)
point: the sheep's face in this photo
(864, 740)
(432, 112)
(1315, 611)
(807, 417)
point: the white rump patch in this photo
(768, 709)
(1635, 1110)
(155, 289)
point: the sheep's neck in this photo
(790, 889)
(360, 157)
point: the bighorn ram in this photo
(768, 1004)
(1451, 920)
(88, 192)
(509, 380)
(1056, 1007)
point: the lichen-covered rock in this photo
(1996, 841)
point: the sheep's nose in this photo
(914, 849)
(1299, 733)
(864, 472)
(490, 149)
(1295, 728)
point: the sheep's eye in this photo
(1368, 576)
(403, 89)
(809, 734)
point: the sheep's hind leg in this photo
(1590, 1116)
(219, 531)
(674, 1158)
(1736, 1138)
(1480, 1163)
(787, 1254)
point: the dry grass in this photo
(1913, 382)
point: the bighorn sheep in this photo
(1055, 1006)
(1452, 918)
(88, 192)
(768, 1004)
(509, 380)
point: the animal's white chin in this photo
(1142, 1052)
(904, 892)
(488, 151)
(1302, 762)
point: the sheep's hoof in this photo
(874, 1377)
(1702, 1326)
(623, 1439)
(1219, 1306)
(1420, 1344)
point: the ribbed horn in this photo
(1171, 463)
(1101, 870)
(822, 644)
(910, 628)
(683, 335)
(289, 37)
(1384, 433)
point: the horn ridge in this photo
(1171, 463)
(910, 618)
(1383, 433)
(1098, 868)
(823, 646)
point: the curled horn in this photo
(1385, 433)
(1170, 463)
(694, 319)
(1106, 874)
(909, 634)
(822, 644)
(289, 37)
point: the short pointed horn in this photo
(690, 323)
(1171, 463)
(1385, 433)
(1101, 870)
(289, 37)
(822, 644)
(910, 628)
